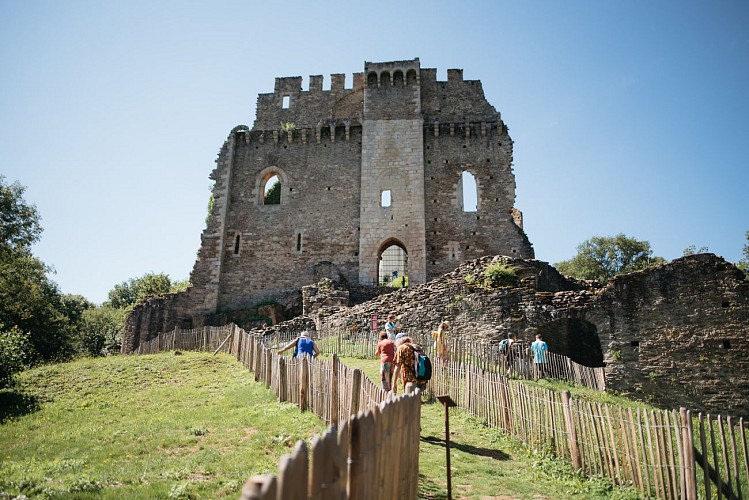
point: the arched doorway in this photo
(392, 266)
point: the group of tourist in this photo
(509, 348)
(397, 352)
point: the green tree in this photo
(33, 303)
(100, 332)
(179, 286)
(130, 292)
(273, 195)
(19, 221)
(73, 307)
(14, 349)
(29, 300)
(601, 258)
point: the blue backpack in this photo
(422, 365)
(304, 346)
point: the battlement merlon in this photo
(454, 100)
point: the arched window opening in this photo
(393, 265)
(385, 79)
(386, 199)
(398, 79)
(411, 77)
(237, 241)
(272, 191)
(469, 192)
(372, 79)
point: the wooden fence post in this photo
(334, 392)
(304, 380)
(293, 473)
(268, 367)
(690, 472)
(355, 390)
(282, 379)
(569, 422)
(260, 487)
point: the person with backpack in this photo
(412, 365)
(506, 350)
(303, 346)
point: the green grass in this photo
(163, 426)
(197, 426)
(487, 463)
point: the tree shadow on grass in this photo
(467, 448)
(16, 403)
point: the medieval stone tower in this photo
(400, 174)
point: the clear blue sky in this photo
(627, 116)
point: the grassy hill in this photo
(197, 426)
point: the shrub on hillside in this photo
(101, 331)
(14, 348)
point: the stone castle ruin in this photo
(402, 177)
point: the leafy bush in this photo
(14, 348)
(399, 282)
(498, 275)
(101, 331)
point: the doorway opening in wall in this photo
(393, 264)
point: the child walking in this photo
(386, 351)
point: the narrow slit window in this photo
(286, 102)
(469, 192)
(386, 199)
(298, 242)
(237, 241)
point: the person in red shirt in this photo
(386, 352)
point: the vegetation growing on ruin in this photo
(497, 275)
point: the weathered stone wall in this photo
(674, 335)
(335, 151)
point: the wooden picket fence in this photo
(353, 458)
(664, 454)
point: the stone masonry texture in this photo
(396, 129)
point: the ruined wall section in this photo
(273, 250)
(463, 132)
(206, 274)
(313, 108)
(677, 334)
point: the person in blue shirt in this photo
(539, 349)
(391, 327)
(304, 346)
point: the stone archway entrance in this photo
(392, 260)
(576, 338)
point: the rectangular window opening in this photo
(286, 102)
